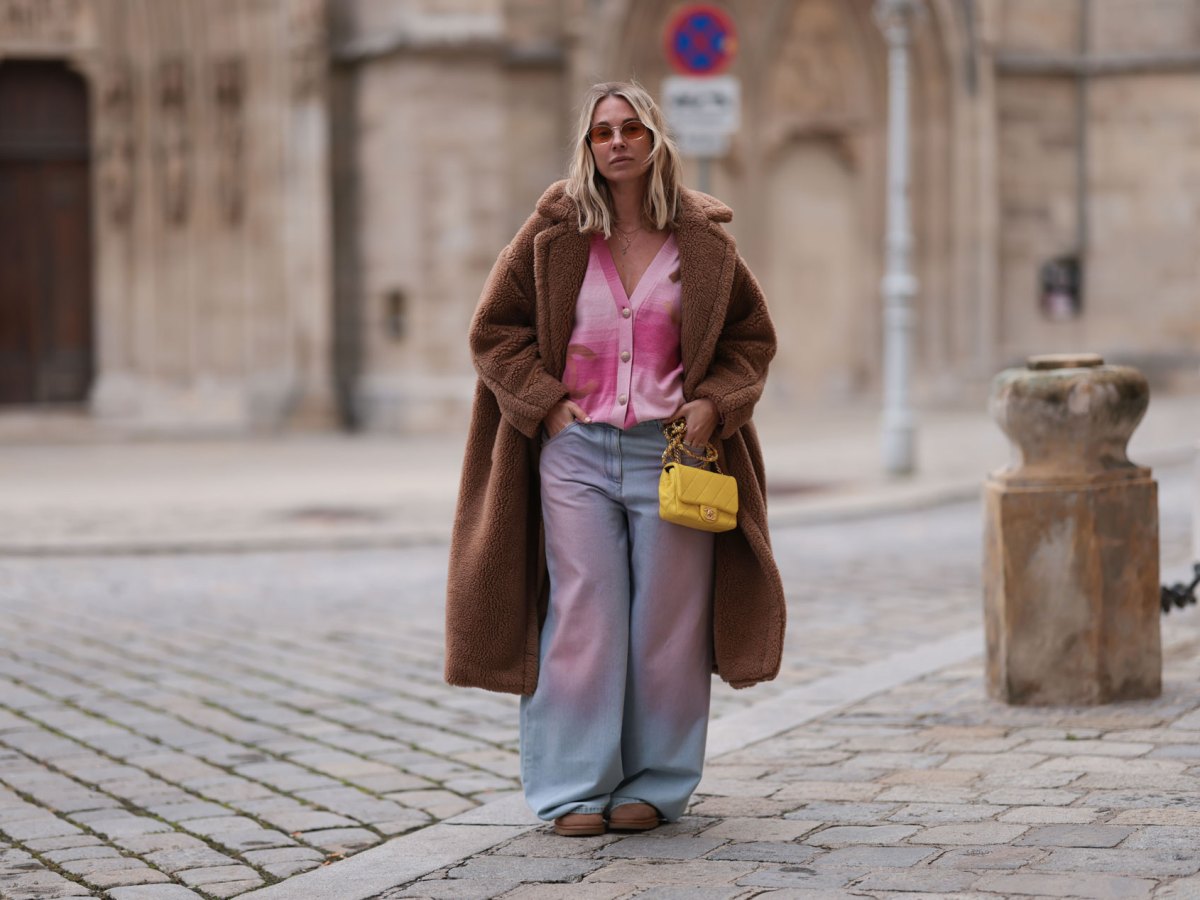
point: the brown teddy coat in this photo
(498, 588)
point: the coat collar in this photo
(696, 210)
(707, 258)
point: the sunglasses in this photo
(633, 130)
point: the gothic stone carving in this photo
(118, 148)
(65, 22)
(174, 144)
(307, 43)
(808, 77)
(815, 90)
(230, 88)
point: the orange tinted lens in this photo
(601, 134)
(633, 130)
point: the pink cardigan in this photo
(623, 359)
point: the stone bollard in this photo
(1071, 593)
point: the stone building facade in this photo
(295, 202)
(194, 289)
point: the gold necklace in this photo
(627, 236)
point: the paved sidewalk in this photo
(305, 491)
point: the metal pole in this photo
(899, 285)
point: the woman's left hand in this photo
(702, 417)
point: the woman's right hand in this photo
(561, 415)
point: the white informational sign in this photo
(702, 145)
(702, 112)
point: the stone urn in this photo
(1071, 607)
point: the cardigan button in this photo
(624, 356)
(622, 399)
(626, 312)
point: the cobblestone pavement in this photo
(198, 726)
(928, 790)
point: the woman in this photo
(619, 306)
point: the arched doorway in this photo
(821, 120)
(814, 273)
(46, 353)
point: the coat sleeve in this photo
(747, 343)
(504, 345)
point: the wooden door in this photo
(45, 235)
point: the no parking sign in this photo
(700, 40)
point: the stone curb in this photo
(388, 865)
(455, 840)
(898, 497)
(850, 506)
(903, 497)
(246, 542)
(783, 513)
(810, 701)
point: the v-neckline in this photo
(613, 277)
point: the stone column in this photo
(308, 266)
(1071, 592)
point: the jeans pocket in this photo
(548, 440)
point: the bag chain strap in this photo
(676, 447)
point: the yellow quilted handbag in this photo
(693, 496)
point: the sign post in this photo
(702, 106)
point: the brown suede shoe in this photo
(633, 817)
(579, 824)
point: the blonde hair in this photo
(589, 189)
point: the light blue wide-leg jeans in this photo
(620, 713)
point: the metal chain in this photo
(677, 447)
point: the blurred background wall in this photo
(246, 214)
